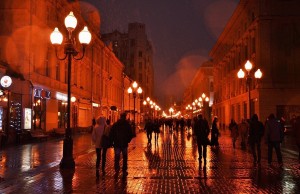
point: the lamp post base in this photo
(67, 161)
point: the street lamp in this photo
(171, 110)
(189, 108)
(257, 75)
(70, 52)
(134, 90)
(205, 103)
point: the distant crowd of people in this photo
(251, 132)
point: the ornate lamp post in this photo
(129, 90)
(205, 103)
(189, 108)
(135, 90)
(257, 75)
(70, 52)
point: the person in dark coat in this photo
(156, 130)
(256, 131)
(233, 127)
(121, 134)
(149, 130)
(215, 133)
(202, 132)
(274, 135)
(244, 131)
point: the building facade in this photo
(135, 51)
(97, 80)
(201, 83)
(267, 33)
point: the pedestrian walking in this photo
(243, 128)
(97, 134)
(156, 130)
(296, 128)
(106, 143)
(215, 133)
(121, 134)
(149, 130)
(233, 127)
(274, 137)
(202, 132)
(256, 132)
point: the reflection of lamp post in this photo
(134, 90)
(70, 52)
(257, 75)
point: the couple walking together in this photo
(119, 135)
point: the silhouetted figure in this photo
(149, 129)
(274, 135)
(215, 133)
(121, 134)
(156, 130)
(202, 132)
(244, 131)
(233, 127)
(256, 131)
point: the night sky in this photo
(182, 33)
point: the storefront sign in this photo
(96, 105)
(61, 96)
(40, 93)
(27, 118)
(5, 81)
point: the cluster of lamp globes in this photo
(248, 67)
(198, 102)
(71, 22)
(151, 103)
(134, 88)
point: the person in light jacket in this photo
(97, 134)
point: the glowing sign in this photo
(6, 81)
(27, 118)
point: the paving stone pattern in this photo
(168, 166)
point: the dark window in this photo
(140, 54)
(132, 42)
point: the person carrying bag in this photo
(106, 143)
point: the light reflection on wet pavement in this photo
(168, 166)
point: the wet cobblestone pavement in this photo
(170, 166)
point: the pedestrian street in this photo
(168, 166)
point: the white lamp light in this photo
(85, 36)
(248, 65)
(241, 74)
(56, 37)
(70, 21)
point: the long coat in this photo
(98, 131)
